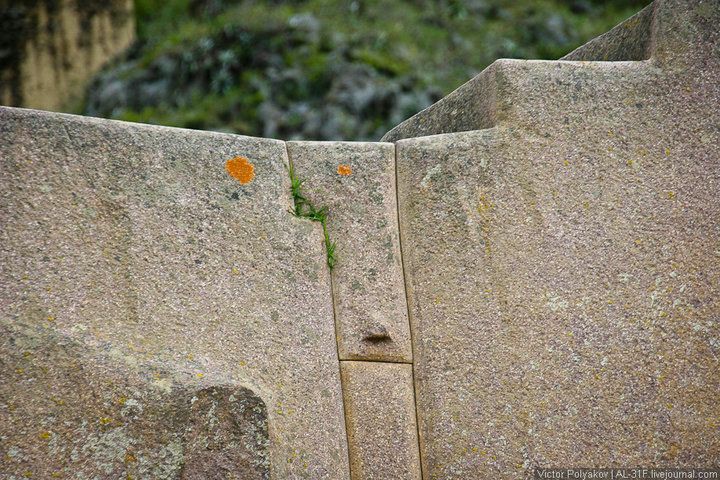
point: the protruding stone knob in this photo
(376, 334)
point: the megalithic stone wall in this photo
(528, 277)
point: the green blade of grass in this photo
(305, 209)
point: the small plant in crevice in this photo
(305, 209)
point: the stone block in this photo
(356, 182)
(563, 285)
(137, 244)
(380, 416)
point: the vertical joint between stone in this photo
(407, 306)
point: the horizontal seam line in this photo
(375, 361)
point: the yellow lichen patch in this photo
(45, 435)
(673, 451)
(484, 204)
(105, 420)
(241, 169)
(671, 195)
(344, 170)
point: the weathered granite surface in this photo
(380, 416)
(68, 414)
(356, 181)
(175, 287)
(563, 268)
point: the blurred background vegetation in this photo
(326, 69)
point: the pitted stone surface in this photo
(563, 284)
(356, 181)
(135, 243)
(380, 416)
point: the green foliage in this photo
(305, 209)
(158, 18)
(327, 69)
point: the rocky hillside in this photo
(326, 69)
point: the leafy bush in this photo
(326, 69)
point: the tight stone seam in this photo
(407, 307)
(337, 347)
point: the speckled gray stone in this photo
(380, 416)
(562, 267)
(356, 181)
(133, 244)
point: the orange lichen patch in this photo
(344, 170)
(241, 169)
